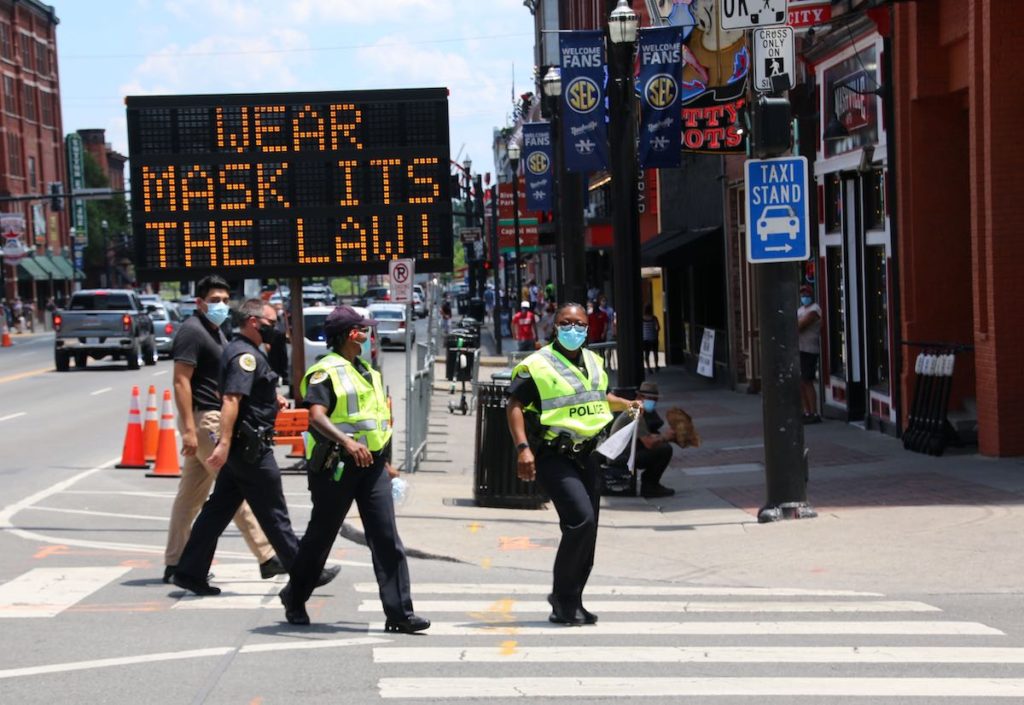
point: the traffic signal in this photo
(487, 264)
(773, 132)
(56, 196)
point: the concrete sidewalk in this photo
(889, 520)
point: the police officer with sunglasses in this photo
(558, 409)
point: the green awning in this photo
(64, 266)
(28, 269)
(49, 268)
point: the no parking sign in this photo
(401, 272)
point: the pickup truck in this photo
(101, 323)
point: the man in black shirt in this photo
(244, 455)
(197, 350)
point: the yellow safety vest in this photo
(361, 409)
(571, 403)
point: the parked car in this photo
(315, 344)
(391, 323)
(419, 306)
(186, 307)
(317, 295)
(101, 323)
(375, 294)
(167, 319)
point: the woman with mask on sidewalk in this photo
(559, 405)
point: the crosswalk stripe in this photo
(241, 588)
(605, 687)
(699, 654)
(635, 606)
(623, 590)
(46, 592)
(612, 628)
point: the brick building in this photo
(111, 163)
(32, 149)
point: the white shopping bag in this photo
(616, 443)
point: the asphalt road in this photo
(85, 618)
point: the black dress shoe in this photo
(199, 587)
(656, 491)
(562, 614)
(586, 615)
(327, 575)
(168, 572)
(271, 567)
(409, 625)
(295, 614)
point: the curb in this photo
(356, 536)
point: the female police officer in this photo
(559, 405)
(349, 458)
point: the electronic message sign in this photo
(292, 184)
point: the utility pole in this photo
(495, 265)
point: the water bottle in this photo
(399, 491)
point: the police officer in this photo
(349, 459)
(558, 408)
(243, 454)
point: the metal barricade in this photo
(495, 483)
(419, 388)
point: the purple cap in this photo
(344, 317)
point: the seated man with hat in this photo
(653, 450)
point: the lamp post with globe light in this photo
(514, 153)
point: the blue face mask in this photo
(649, 405)
(217, 313)
(571, 337)
(806, 300)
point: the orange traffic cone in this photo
(5, 342)
(131, 454)
(151, 427)
(167, 450)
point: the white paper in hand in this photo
(617, 442)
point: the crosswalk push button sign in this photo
(777, 210)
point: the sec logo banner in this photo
(537, 163)
(583, 95)
(661, 91)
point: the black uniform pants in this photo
(575, 489)
(370, 488)
(258, 484)
(653, 461)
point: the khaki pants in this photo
(194, 488)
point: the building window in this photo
(46, 108)
(30, 103)
(874, 200)
(42, 59)
(32, 183)
(6, 49)
(876, 295)
(14, 154)
(10, 97)
(27, 61)
(833, 203)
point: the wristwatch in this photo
(522, 446)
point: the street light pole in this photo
(552, 85)
(513, 158)
(469, 248)
(622, 30)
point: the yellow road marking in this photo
(475, 527)
(508, 648)
(47, 551)
(23, 375)
(485, 563)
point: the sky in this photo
(108, 49)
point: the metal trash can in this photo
(476, 309)
(495, 483)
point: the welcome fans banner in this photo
(661, 68)
(537, 156)
(584, 128)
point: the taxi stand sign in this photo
(777, 209)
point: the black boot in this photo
(562, 613)
(409, 625)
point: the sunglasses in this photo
(569, 326)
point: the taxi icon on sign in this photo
(778, 220)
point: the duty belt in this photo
(566, 445)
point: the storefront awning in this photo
(654, 249)
(28, 269)
(64, 266)
(49, 268)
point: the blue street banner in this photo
(538, 159)
(661, 70)
(584, 128)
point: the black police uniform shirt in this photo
(200, 347)
(246, 371)
(322, 394)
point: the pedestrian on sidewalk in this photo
(524, 325)
(446, 315)
(650, 330)
(654, 450)
(243, 455)
(546, 325)
(349, 458)
(598, 329)
(197, 349)
(809, 326)
(559, 405)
